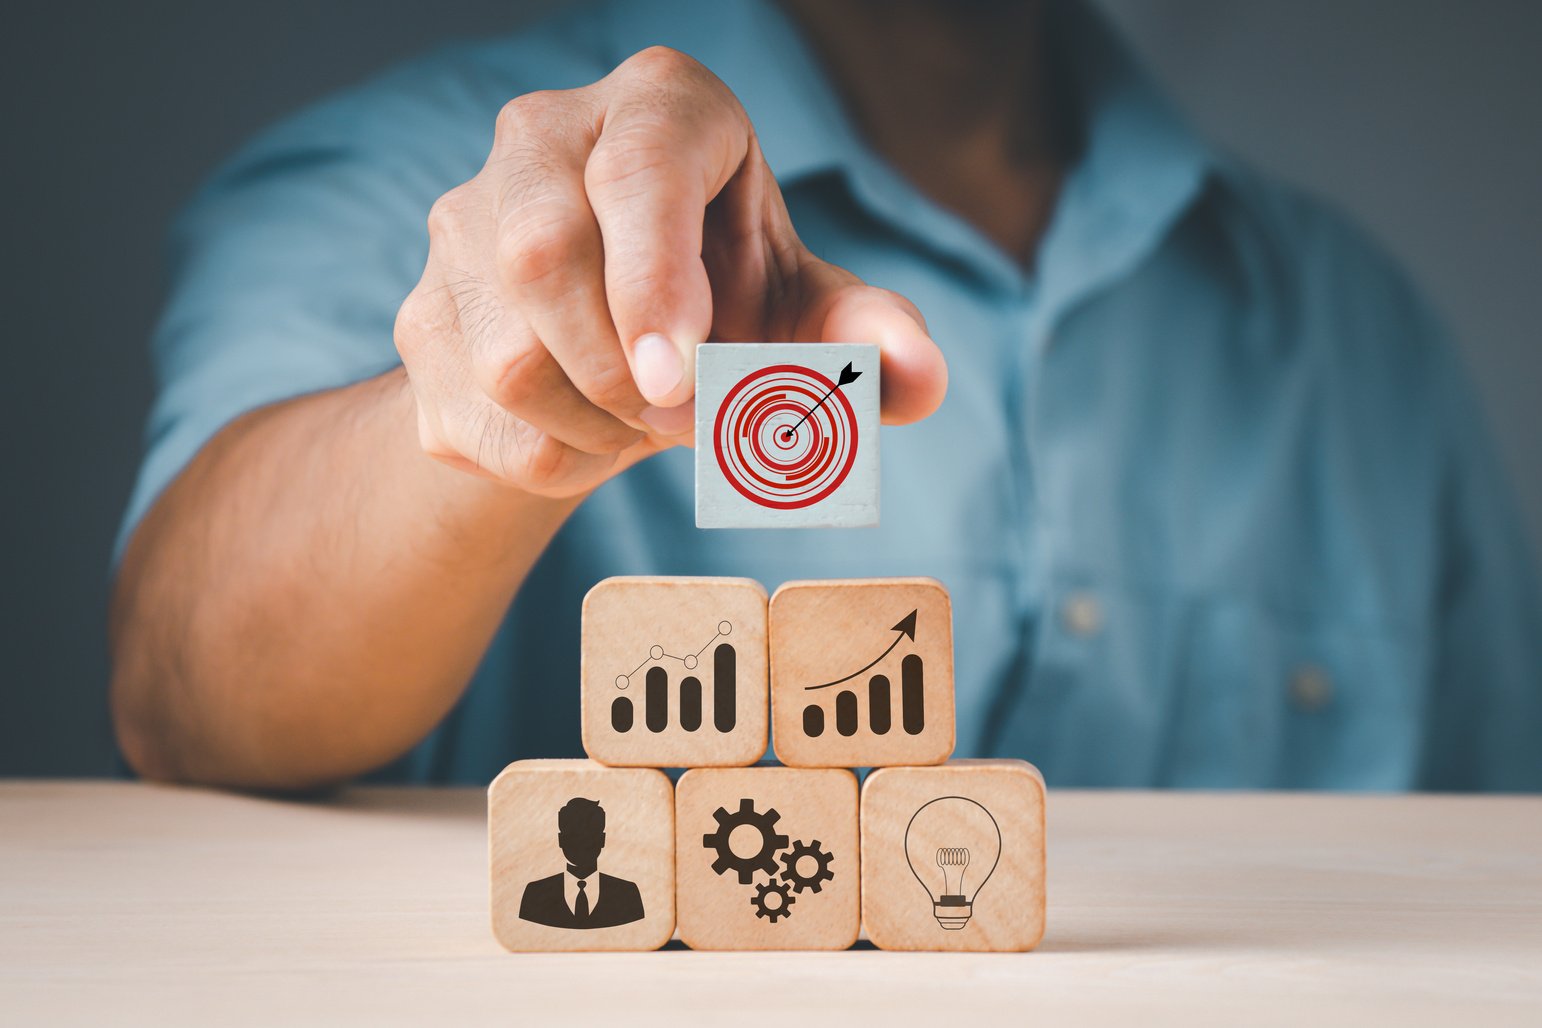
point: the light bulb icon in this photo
(952, 844)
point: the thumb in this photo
(838, 307)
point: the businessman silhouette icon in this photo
(579, 897)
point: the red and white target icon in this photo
(786, 436)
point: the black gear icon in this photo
(770, 841)
(764, 907)
(798, 880)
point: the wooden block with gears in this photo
(582, 856)
(787, 435)
(674, 672)
(953, 856)
(767, 858)
(862, 672)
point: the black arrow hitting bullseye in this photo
(906, 629)
(847, 377)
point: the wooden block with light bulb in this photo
(953, 856)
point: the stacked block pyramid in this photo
(741, 853)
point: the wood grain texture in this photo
(525, 854)
(800, 907)
(675, 672)
(831, 631)
(953, 856)
(152, 905)
(819, 471)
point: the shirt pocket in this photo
(1170, 689)
(1289, 699)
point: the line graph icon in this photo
(690, 660)
(674, 671)
(689, 700)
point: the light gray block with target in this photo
(787, 435)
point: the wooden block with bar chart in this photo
(953, 856)
(674, 672)
(767, 858)
(862, 672)
(582, 856)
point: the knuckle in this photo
(437, 448)
(432, 442)
(537, 247)
(446, 214)
(661, 63)
(608, 384)
(515, 379)
(643, 281)
(517, 117)
(545, 460)
(414, 323)
(618, 159)
(544, 114)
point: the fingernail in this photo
(670, 420)
(657, 365)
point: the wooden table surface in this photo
(123, 903)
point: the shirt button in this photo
(1082, 614)
(1310, 689)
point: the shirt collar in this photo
(1139, 169)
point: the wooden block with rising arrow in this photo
(862, 672)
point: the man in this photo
(1208, 491)
(578, 897)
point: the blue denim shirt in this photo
(1209, 488)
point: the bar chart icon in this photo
(880, 699)
(688, 699)
(862, 672)
(880, 705)
(675, 672)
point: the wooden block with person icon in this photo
(862, 672)
(582, 856)
(674, 672)
(766, 858)
(953, 856)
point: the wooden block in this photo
(767, 858)
(550, 822)
(674, 672)
(862, 672)
(786, 435)
(953, 856)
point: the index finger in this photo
(673, 136)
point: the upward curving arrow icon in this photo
(906, 629)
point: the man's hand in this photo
(551, 341)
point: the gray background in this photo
(1418, 116)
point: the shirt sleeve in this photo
(289, 265)
(1485, 716)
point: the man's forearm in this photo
(312, 594)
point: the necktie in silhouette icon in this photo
(581, 838)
